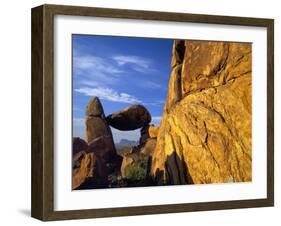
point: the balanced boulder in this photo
(131, 118)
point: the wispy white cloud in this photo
(109, 94)
(100, 64)
(100, 71)
(105, 71)
(140, 61)
(90, 83)
(136, 63)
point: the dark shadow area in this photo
(175, 173)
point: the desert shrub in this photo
(137, 171)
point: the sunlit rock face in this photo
(205, 133)
(82, 168)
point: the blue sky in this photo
(121, 71)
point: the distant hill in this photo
(125, 143)
(125, 146)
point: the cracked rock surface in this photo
(205, 133)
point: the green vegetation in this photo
(138, 170)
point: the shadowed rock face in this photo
(78, 145)
(205, 133)
(131, 118)
(100, 143)
(94, 108)
(96, 125)
(148, 147)
(175, 82)
(149, 131)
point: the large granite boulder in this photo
(206, 135)
(131, 118)
(96, 125)
(100, 143)
(82, 162)
(82, 168)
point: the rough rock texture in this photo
(100, 142)
(148, 147)
(82, 168)
(78, 145)
(175, 84)
(125, 150)
(131, 118)
(136, 164)
(107, 158)
(212, 64)
(205, 133)
(127, 163)
(96, 125)
(149, 131)
(82, 162)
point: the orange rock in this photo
(148, 132)
(211, 64)
(83, 168)
(153, 131)
(205, 136)
(148, 148)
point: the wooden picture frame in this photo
(42, 203)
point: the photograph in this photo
(140, 112)
(157, 112)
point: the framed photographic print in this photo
(141, 112)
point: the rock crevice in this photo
(208, 126)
